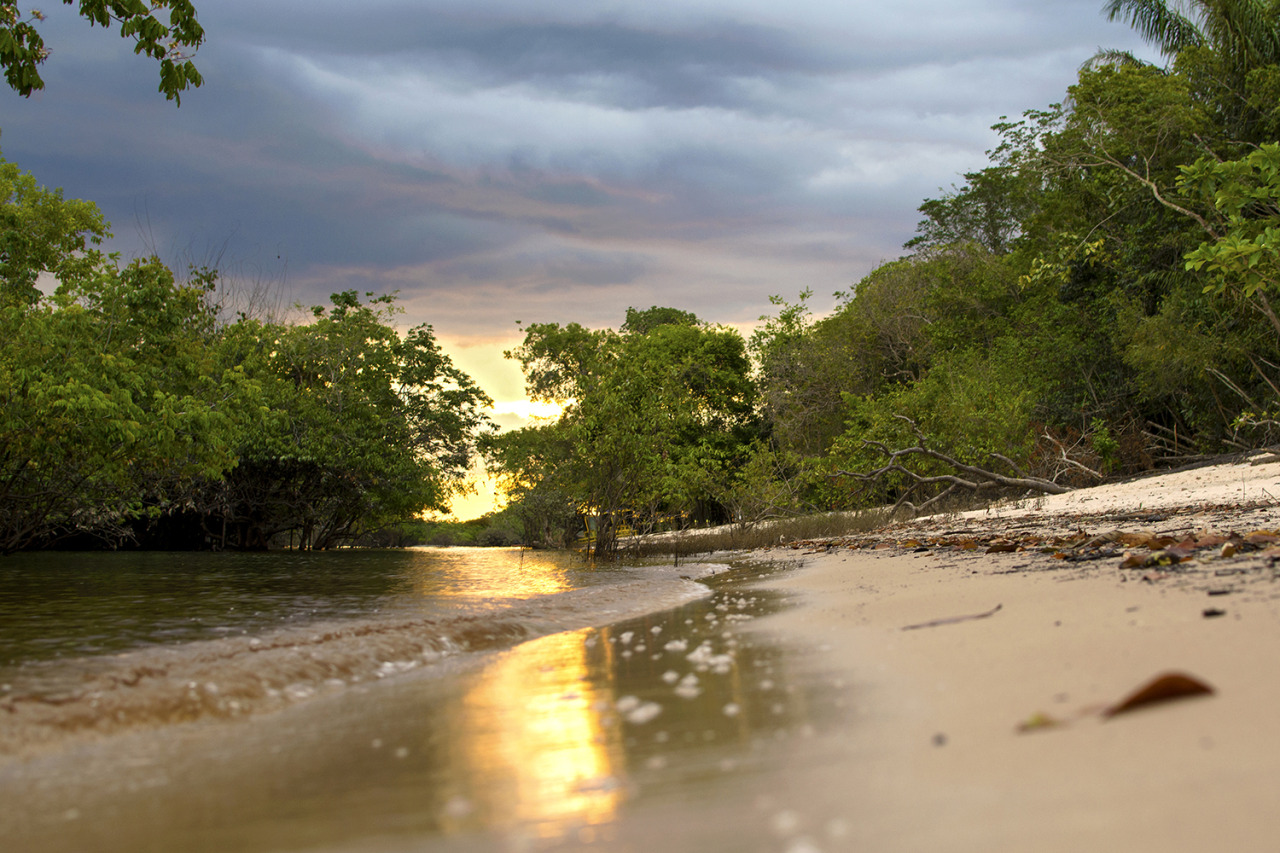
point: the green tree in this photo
(533, 466)
(1243, 32)
(170, 39)
(1243, 251)
(109, 401)
(655, 419)
(642, 322)
(110, 405)
(988, 210)
(360, 426)
(43, 233)
(1245, 196)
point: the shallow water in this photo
(102, 643)
(57, 605)
(626, 737)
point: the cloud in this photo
(497, 160)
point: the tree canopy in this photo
(1096, 299)
(170, 39)
(657, 417)
(133, 411)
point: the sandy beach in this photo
(986, 733)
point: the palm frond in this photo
(1159, 24)
(1111, 58)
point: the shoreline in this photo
(1091, 607)
(860, 693)
(66, 703)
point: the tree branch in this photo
(979, 479)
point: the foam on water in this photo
(45, 702)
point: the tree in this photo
(988, 210)
(642, 322)
(656, 419)
(1243, 251)
(533, 466)
(43, 233)
(23, 51)
(108, 397)
(111, 405)
(1243, 32)
(360, 426)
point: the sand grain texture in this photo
(950, 747)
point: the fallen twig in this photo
(953, 619)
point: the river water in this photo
(429, 699)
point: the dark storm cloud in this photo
(500, 159)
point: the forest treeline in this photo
(136, 408)
(1094, 301)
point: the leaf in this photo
(1038, 721)
(1143, 539)
(1133, 561)
(1163, 688)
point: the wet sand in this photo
(790, 711)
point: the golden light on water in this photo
(538, 740)
(490, 573)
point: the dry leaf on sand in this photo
(1170, 685)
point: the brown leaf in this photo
(1000, 546)
(1143, 539)
(1134, 561)
(1170, 685)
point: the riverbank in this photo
(934, 685)
(977, 728)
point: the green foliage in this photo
(1245, 195)
(642, 322)
(1242, 32)
(43, 233)
(493, 530)
(22, 49)
(362, 426)
(655, 421)
(125, 405)
(968, 405)
(988, 210)
(109, 403)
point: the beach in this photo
(939, 684)
(988, 734)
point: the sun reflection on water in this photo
(538, 740)
(491, 573)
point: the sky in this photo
(508, 161)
